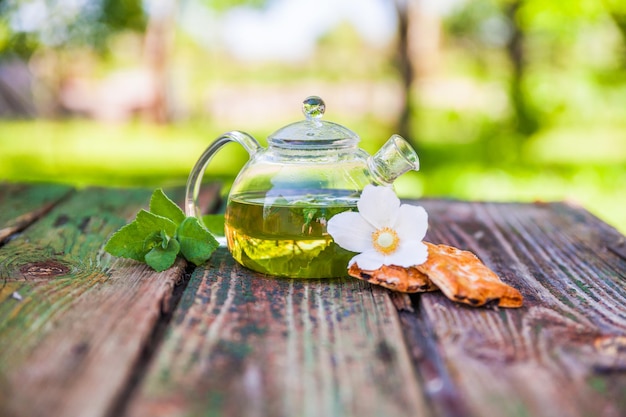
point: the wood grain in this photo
(23, 204)
(70, 342)
(80, 331)
(547, 358)
(243, 344)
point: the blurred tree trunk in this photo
(158, 46)
(619, 18)
(416, 56)
(526, 119)
(405, 67)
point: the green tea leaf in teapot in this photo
(309, 215)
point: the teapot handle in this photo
(194, 181)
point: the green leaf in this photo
(138, 237)
(161, 258)
(156, 237)
(149, 223)
(214, 223)
(165, 239)
(309, 215)
(196, 242)
(128, 242)
(161, 205)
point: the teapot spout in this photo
(395, 158)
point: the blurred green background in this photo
(505, 100)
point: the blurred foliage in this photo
(535, 39)
(123, 15)
(527, 102)
(27, 25)
(222, 5)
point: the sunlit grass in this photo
(559, 165)
(581, 145)
(90, 153)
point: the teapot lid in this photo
(313, 133)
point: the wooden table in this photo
(85, 334)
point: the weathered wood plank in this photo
(563, 353)
(70, 343)
(243, 344)
(23, 204)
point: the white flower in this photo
(382, 231)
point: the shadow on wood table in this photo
(84, 334)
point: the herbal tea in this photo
(286, 236)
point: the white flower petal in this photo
(350, 231)
(409, 254)
(412, 222)
(368, 261)
(380, 214)
(379, 206)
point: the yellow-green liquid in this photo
(287, 236)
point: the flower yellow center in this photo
(385, 240)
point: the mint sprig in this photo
(157, 237)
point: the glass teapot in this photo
(278, 206)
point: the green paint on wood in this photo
(251, 344)
(59, 258)
(23, 204)
(83, 317)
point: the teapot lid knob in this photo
(313, 132)
(313, 108)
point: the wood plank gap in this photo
(619, 248)
(441, 393)
(153, 343)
